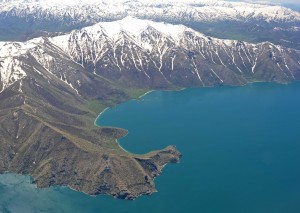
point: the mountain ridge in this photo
(152, 38)
(200, 9)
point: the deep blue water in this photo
(240, 146)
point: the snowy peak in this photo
(10, 72)
(11, 69)
(16, 48)
(144, 33)
(135, 27)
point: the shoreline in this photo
(138, 98)
(184, 88)
(117, 140)
(175, 90)
(146, 93)
(95, 122)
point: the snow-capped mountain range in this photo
(135, 52)
(92, 11)
(21, 20)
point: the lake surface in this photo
(240, 146)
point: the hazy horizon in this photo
(296, 2)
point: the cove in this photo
(240, 149)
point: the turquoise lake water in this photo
(240, 146)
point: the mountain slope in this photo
(49, 84)
(155, 55)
